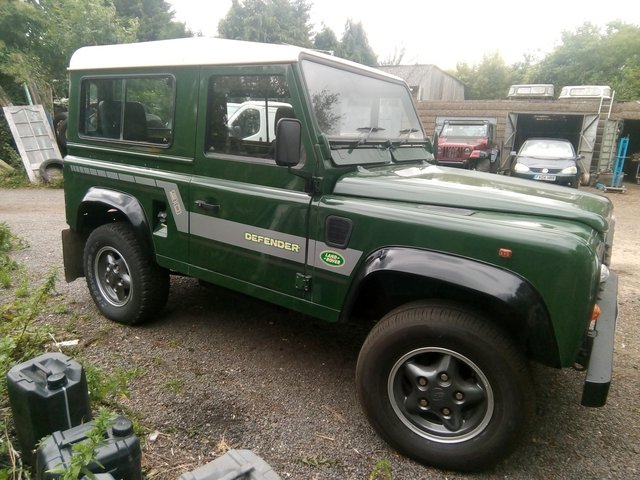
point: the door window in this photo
(242, 114)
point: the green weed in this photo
(381, 471)
(105, 389)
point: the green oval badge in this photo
(331, 258)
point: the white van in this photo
(255, 121)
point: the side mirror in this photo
(288, 142)
(513, 153)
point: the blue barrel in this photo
(46, 394)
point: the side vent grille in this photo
(338, 231)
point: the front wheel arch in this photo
(394, 276)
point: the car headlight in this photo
(520, 168)
(569, 170)
(604, 273)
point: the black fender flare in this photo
(511, 291)
(127, 204)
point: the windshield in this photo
(464, 131)
(353, 107)
(547, 149)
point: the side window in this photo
(137, 109)
(243, 111)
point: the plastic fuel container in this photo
(46, 394)
(119, 455)
(234, 465)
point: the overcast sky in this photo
(442, 32)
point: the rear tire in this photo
(125, 283)
(444, 386)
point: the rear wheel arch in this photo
(101, 205)
(395, 276)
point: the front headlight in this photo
(604, 273)
(569, 170)
(520, 168)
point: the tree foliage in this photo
(326, 40)
(587, 56)
(269, 21)
(38, 37)
(155, 19)
(488, 80)
(287, 21)
(355, 45)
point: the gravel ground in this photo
(220, 370)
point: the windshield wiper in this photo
(407, 131)
(363, 139)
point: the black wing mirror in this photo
(288, 142)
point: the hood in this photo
(451, 187)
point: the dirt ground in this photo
(220, 370)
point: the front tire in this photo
(443, 386)
(125, 283)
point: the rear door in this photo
(248, 216)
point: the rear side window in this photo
(243, 111)
(135, 109)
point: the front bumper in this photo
(558, 178)
(596, 385)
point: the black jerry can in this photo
(46, 394)
(119, 455)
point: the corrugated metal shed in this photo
(428, 82)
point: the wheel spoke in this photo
(454, 421)
(472, 393)
(447, 365)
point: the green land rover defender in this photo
(308, 181)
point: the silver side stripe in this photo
(180, 215)
(171, 191)
(269, 242)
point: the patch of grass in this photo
(15, 179)
(11, 466)
(104, 388)
(318, 461)
(381, 471)
(8, 243)
(176, 385)
(20, 337)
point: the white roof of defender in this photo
(194, 51)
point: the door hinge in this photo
(303, 282)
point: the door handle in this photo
(209, 207)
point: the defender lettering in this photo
(272, 242)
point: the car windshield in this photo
(547, 149)
(464, 131)
(352, 107)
